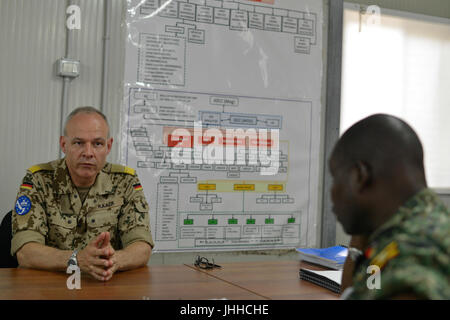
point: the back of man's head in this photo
(385, 143)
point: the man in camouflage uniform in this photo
(82, 207)
(381, 198)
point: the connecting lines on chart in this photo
(201, 201)
(244, 164)
(160, 157)
(236, 16)
(180, 187)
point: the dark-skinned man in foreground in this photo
(380, 197)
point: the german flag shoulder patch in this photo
(26, 185)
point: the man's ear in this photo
(363, 175)
(62, 143)
(109, 143)
(360, 176)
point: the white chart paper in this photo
(206, 68)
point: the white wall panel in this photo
(116, 66)
(32, 38)
(87, 46)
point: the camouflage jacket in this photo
(48, 209)
(412, 252)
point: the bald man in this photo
(81, 210)
(380, 197)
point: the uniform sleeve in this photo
(418, 270)
(134, 222)
(422, 281)
(29, 222)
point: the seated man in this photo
(381, 198)
(80, 208)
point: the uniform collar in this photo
(425, 198)
(62, 183)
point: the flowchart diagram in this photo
(236, 16)
(221, 119)
(162, 57)
(208, 200)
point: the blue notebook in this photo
(332, 257)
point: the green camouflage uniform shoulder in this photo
(412, 251)
(426, 225)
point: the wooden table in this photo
(235, 281)
(277, 280)
(154, 282)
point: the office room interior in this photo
(305, 69)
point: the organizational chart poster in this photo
(221, 120)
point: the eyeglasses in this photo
(204, 263)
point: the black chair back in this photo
(6, 260)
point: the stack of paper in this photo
(330, 279)
(332, 257)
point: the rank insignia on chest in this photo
(388, 253)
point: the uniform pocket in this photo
(61, 230)
(66, 221)
(105, 215)
(102, 221)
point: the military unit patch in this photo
(23, 205)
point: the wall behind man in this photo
(32, 38)
(30, 94)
